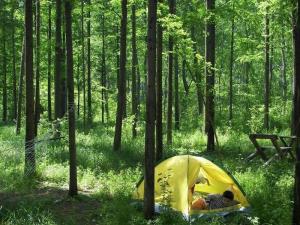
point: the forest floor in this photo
(107, 179)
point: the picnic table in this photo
(283, 145)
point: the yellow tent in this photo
(175, 177)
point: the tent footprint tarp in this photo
(175, 177)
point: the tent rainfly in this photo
(175, 177)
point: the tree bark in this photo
(37, 69)
(138, 90)
(122, 80)
(267, 70)
(150, 113)
(117, 55)
(210, 75)
(184, 78)
(14, 75)
(172, 10)
(197, 74)
(176, 86)
(64, 90)
(49, 62)
(4, 87)
(58, 67)
(104, 91)
(283, 68)
(20, 91)
(71, 106)
(231, 71)
(134, 73)
(296, 113)
(83, 64)
(29, 169)
(89, 83)
(159, 93)
(78, 85)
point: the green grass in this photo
(107, 179)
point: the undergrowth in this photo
(107, 179)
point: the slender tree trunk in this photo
(197, 74)
(83, 64)
(71, 108)
(20, 91)
(117, 55)
(184, 79)
(78, 86)
(296, 114)
(150, 113)
(176, 103)
(14, 75)
(165, 96)
(231, 72)
(159, 93)
(104, 91)
(144, 89)
(4, 87)
(172, 10)
(29, 169)
(58, 67)
(89, 83)
(210, 76)
(138, 89)
(271, 66)
(37, 68)
(134, 73)
(267, 70)
(49, 62)
(122, 80)
(64, 73)
(283, 69)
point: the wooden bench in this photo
(282, 145)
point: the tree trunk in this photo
(104, 91)
(134, 73)
(176, 103)
(184, 80)
(283, 69)
(71, 106)
(37, 69)
(150, 113)
(14, 75)
(197, 74)
(296, 115)
(271, 65)
(122, 80)
(83, 64)
(144, 89)
(267, 70)
(78, 85)
(49, 63)
(138, 89)
(4, 93)
(64, 74)
(210, 75)
(20, 91)
(159, 93)
(172, 10)
(58, 67)
(231, 71)
(29, 169)
(89, 83)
